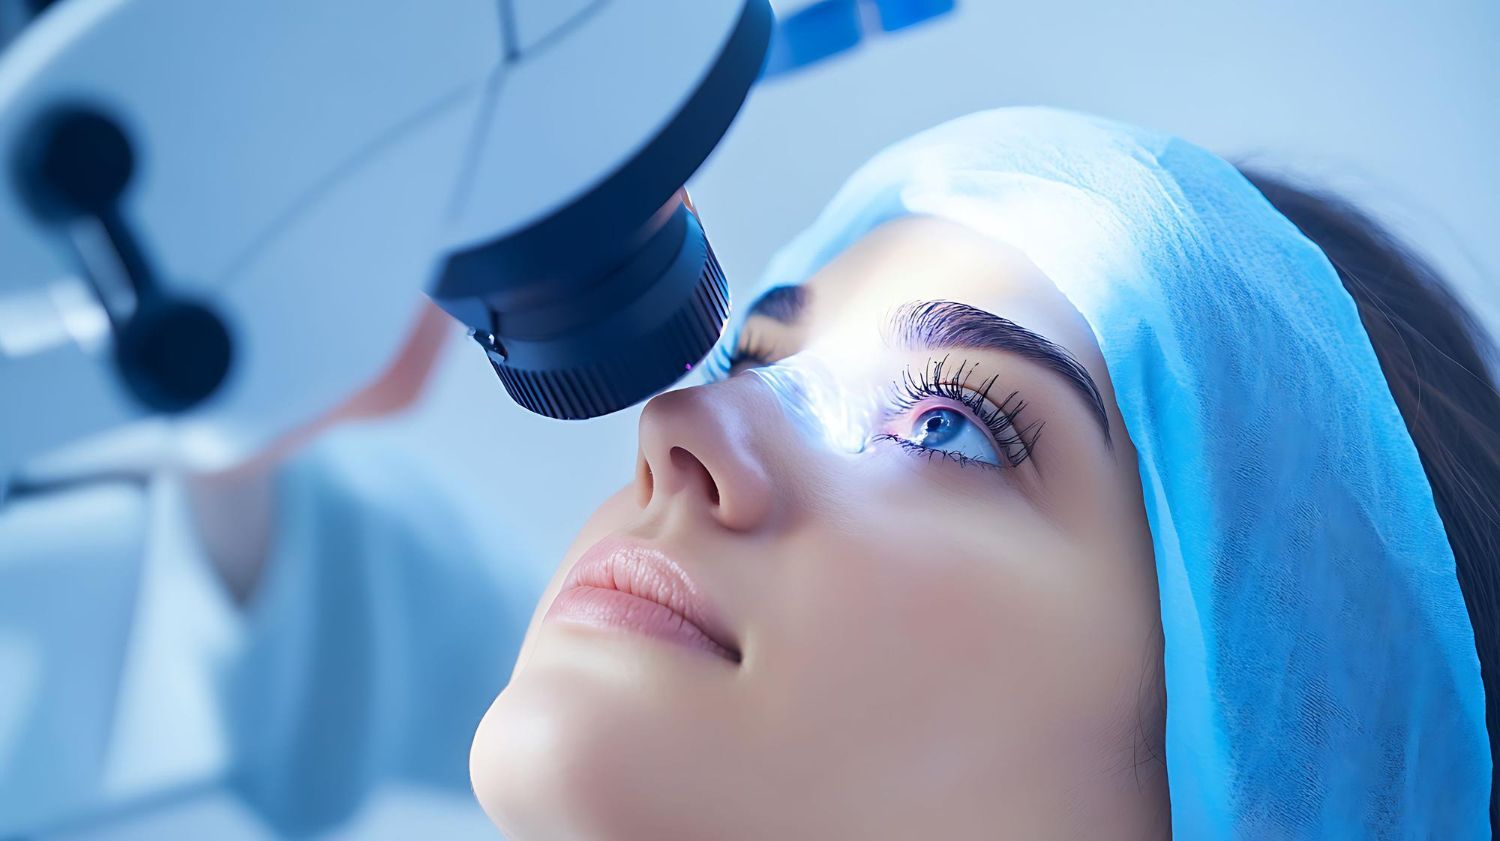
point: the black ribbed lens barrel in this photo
(622, 338)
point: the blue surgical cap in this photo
(1321, 674)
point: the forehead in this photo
(925, 258)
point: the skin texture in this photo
(930, 650)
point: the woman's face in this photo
(947, 628)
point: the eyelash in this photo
(910, 390)
(1014, 443)
(744, 349)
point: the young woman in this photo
(1059, 487)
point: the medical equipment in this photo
(1320, 668)
(204, 249)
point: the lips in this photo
(621, 585)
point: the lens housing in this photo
(590, 351)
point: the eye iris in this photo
(937, 427)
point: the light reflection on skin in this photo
(929, 649)
(824, 399)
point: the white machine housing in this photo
(302, 166)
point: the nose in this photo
(698, 448)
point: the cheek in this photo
(901, 612)
(975, 639)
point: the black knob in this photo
(75, 161)
(173, 354)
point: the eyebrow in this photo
(941, 325)
(781, 304)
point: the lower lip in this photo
(616, 610)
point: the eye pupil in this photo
(936, 427)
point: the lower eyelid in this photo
(934, 454)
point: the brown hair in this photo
(1434, 356)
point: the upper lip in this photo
(649, 573)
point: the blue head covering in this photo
(1321, 674)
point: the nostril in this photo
(645, 480)
(695, 470)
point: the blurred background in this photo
(1394, 105)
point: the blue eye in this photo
(950, 431)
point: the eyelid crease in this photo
(936, 325)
